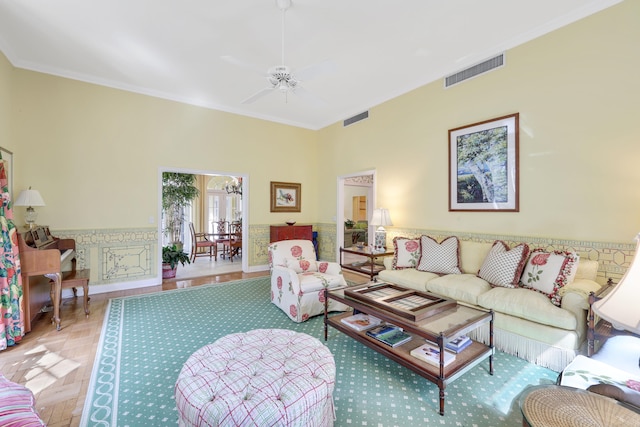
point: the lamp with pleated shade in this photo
(620, 305)
(380, 218)
(30, 198)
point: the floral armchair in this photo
(298, 280)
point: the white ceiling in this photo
(172, 48)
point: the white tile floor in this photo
(202, 266)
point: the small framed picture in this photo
(285, 196)
(483, 166)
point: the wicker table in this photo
(551, 405)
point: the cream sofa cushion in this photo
(408, 277)
(587, 269)
(460, 287)
(472, 255)
(529, 305)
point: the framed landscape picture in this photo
(483, 166)
(285, 197)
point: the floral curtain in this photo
(11, 308)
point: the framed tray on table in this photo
(409, 303)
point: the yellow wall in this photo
(5, 103)
(94, 152)
(578, 96)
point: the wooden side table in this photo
(369, 267)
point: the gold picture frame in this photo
(285, 196)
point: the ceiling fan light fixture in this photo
(283, 4)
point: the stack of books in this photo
(361, 321)
(458, 344)
(430, 353)
(391, 335)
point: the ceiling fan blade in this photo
(316, 70)
(258, 95)
(309, 97)
(246, 65)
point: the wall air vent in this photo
(481, 68)
(356, 118)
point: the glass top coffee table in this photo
(422, 315)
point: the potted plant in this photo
(178, 190)
(171, 256)
(349, 223)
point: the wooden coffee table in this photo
(436, 321)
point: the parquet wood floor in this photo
(56, 365)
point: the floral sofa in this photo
(540, 298)
(298, 281)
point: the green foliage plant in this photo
(178, 190)
(172, 255)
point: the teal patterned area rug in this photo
(146, 339)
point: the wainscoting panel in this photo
(115, 255)
(124, 255)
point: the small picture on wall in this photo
(285, 197)
(483, 166)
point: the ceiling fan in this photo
(281, 78)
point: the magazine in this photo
(458, 344)
(382, 329)
(394, 337)
(431, 354)
(361, 321)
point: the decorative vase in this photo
(168, 272)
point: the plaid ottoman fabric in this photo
(265, 377)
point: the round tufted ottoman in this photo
(264, 377)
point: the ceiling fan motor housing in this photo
(280, 76)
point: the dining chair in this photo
(200, 241)
(220, 235)
(234, 244)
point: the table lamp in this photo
(620, 305)
(30, 198)
(380, 219)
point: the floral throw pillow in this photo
(503, 266)
(440, 258)
(302, 265)
(547, 272)
(406, 253)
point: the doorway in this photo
(357, 185)
(216, 202)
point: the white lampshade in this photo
(29, 198)
(620, 306)
(380, 217)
